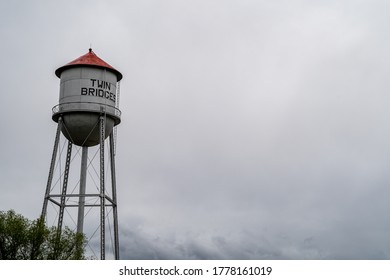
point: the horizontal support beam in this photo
(77, 195)
(87, 205)
(55, 202)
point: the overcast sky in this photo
(251, 129)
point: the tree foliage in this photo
(22, 239)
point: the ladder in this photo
(116, 106)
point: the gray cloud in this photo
(251, 129)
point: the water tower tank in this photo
(88, 89)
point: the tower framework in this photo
(86, 117)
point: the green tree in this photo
(21, 239)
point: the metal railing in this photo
(85, 106)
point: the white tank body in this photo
(88, 90)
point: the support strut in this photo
(51, 170)
(83, 183)
(114, 204)
(102, 191)
(64, 187)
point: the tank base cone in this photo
(82, 129)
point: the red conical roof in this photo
(89, 59)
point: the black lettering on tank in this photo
(99, 88)
(112, 96)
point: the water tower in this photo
(87, 116)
